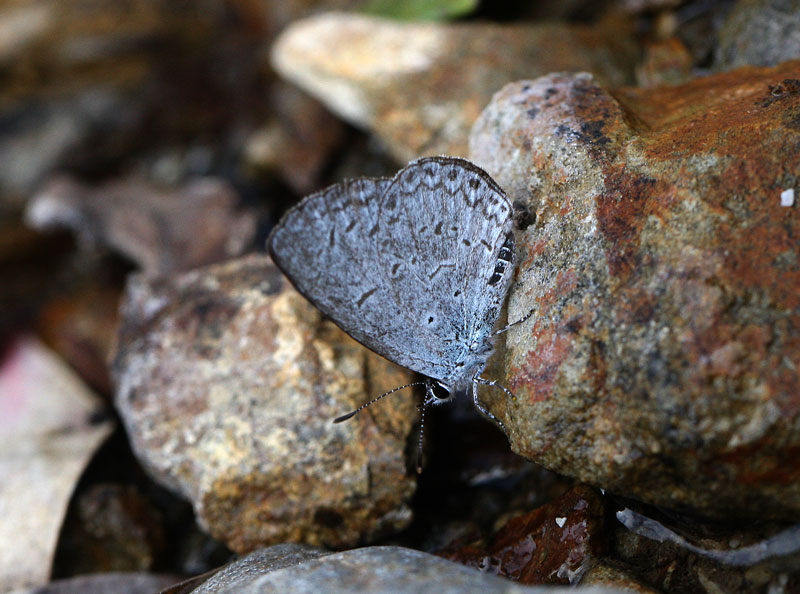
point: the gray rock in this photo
(246, 570)
(104, 583)
(390, 570)
(759, 33)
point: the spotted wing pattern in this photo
(415, 267)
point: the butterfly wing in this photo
(404, 265)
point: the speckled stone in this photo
(228, 381)
(663, 357)
(420, 86)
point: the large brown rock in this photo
(228, 380)
(420, 86)
(663, 358)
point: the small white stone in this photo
(561, 522)
(787, 197)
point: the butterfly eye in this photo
(440, 392)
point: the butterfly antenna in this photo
(374, 400)
(508, 327)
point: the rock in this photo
(609, 575)
(50, 426)
(29, 266)
(249, 568)
(759, 33)
(297, 142)
(472, 482)
(665, 62)
(663, 357)
(105, 583)
(754, 558)
(161, 229)
(553, 544)
(228, 380)
(88, 88)
(420, 86)
(80, 327)
(114, 529)
(378, 570)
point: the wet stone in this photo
(228, 381)
(663, 357)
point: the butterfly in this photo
(415, 267)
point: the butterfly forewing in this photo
(403, 265)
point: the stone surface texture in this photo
(250, 567)
(420, 86)
(227, 382)
(663, 357)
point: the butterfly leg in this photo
(421, 433)
(486, 382)
(507, 327)
(479, 405)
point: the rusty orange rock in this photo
(663, 360)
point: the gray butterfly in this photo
(416, 267)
